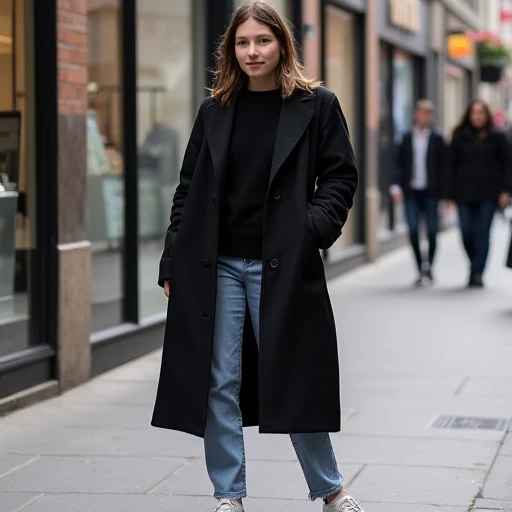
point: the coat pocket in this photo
(312, 229)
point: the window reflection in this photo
(165, 110)
(105, 166)
(17, 174)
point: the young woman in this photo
(250, 337)
(479, 180)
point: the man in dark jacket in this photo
(418, 183)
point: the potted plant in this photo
(492, 56)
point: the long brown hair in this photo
(465, 122)
(228, 75)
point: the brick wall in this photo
(74, 299)
(72, 56)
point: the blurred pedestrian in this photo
(479, 179)
(418, 184)
(242, 266)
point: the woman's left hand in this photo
(504, 200)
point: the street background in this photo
(407, 356)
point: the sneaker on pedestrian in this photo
(225, 505)
(476, 280)
(419, 281)
(345, 504)
(428, 276)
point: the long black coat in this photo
(295, 386)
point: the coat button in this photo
(274, 263)
(277, 194)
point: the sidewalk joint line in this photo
(159, 484)
(352, 480)
(20, 466)
(461, 386)
(30, 502)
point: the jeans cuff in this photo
(325, 494)
(230, 495)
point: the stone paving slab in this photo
(97, 416)
(92, 442)
(404, 384)
(506, 450)
(491, 386)
(419, 485)
(400, 507)
(486, 504)
(265, 479)
(15, 501)
(454, 453)
(9, 463)
(447, 403)
(499, 483)
(92, 475)
(120, 392)
(133, 503)
(414, 424)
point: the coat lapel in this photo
(296, 113)
(218, 123)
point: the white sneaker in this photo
(229, 506)
(345, 504)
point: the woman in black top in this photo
(250, 336)
(479, 179)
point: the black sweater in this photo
(248, 172)
(478, 169)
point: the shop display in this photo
(9, 177)
(105, 186)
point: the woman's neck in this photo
(263, 84)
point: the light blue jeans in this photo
(237, 280)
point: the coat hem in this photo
(194, 431)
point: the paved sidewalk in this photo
(407, 356)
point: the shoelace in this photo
(350, 505)
(225, 506)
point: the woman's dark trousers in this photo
(475, 224)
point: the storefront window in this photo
(386, 143)
(403, 92)
(105, 166)
(396, 107)
(455, 97)
(340, 72)
(403, 113)
(165, 110)
(17, 174)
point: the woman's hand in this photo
(167, 288)
(504, 200)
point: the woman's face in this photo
(477, 116)
(258, 53)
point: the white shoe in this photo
(345, 504)
(225, 505)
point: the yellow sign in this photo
(405, 14)
(459, 46)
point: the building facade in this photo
(95, 115)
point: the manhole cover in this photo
(471, 423)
